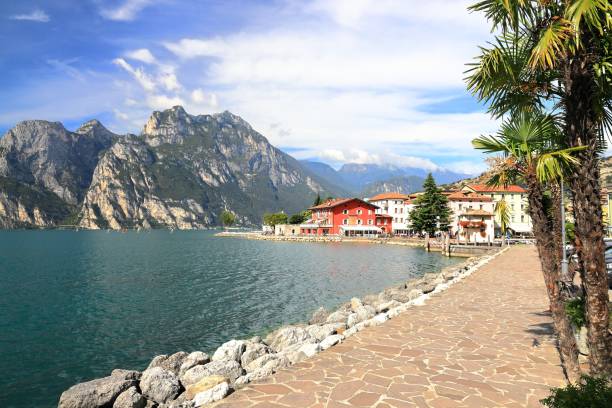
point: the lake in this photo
(75, 305)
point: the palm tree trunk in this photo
(582, 129)
(549, 251)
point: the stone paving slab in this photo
(485, 342)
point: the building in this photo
(286, 230)
(473, 217)
(516, 198)
(342, 216)
(385, 223)
(397, 206)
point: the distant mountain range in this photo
(182, 171)
(370, 179)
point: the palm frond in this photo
(552, 42)
(502, 211)
(592, 12)
(555, 165)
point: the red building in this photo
(385, 223)
(342, 216)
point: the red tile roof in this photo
(339, 201)
(483, 188)
(468, 196)
(390, 196)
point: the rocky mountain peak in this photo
(168, 126)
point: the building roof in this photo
(477, 212)
(468, 196)
(339, 201)
(389, 196)
(383, 216)
(483, 188)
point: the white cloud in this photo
(141, 54)
(121, 115)
(366, 157)
(161, 102)
(38, 16)
(197, 95)
(126, 11)
(138, 73)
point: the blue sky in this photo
(371, 81)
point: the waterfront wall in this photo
(195, 379)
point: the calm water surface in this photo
(75, 305)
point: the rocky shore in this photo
(196, 379)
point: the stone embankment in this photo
(189, 380)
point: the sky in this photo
(366, 81)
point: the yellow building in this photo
(516, 198)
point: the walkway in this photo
(485, 342)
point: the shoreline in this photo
(196, 379)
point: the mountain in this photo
(45, 171)
(366, 179)
(401, 184)
(182, 171)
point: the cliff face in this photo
(45, 171)
(184, 170)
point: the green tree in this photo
(273, 219)
(431, 212)
(228, 218)
(502, 211)
(555, 54)
(528, 154)
(317, 200)
(299, 218)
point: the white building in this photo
(516, 198)
(396, 205)
(472, 217)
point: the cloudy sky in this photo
(370, 81)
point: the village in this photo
(472, 219)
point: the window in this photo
(460, 205)
(359, 222)
(369, 222)
(401, 210)
(481, 206)
(395, 209)
(369, 212)
(345, 221)
(359, 212)
(522, 218)
(344, 211)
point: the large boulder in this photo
(319, 332)
(211, 395)
(355, 304)
(265, 367)
(226, 368)
(232, 350)
(361, 314)
(204, 384)
(160, 385)
(96, 393)
(339, 316)
(319, 316)
(130, 398)
(126, 374)
(193, 359)
(170, 363)
(252, 352)
(331, 341)
(288, 336)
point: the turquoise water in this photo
(75, 305)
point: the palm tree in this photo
(527, 154)
(554, 55)
(502, 212)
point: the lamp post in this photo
(564, 263)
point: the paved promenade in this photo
(485, 342)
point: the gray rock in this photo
(361, 313)
(414, 293)
(288, 336)
(385, 306)
(231, 350)
(355, 304)
(321, 332)
(339, 316)
(130, 398)
(253, 351)
(227, 368)
(160, 385)
(170, 363)
(331, 341)
(193, 359)
(214, 394)
(319, 316)
(126, 374)
(260, 362)
(310, 349)
(95, 393)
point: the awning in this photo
(364, 228)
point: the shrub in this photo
(590, 392)
(575, 311)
